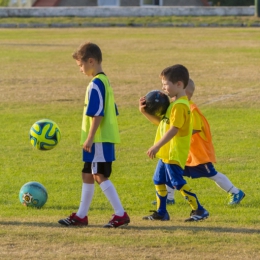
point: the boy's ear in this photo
(91, 60)
(180, 84)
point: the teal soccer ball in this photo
(33, 194)
(44, 134)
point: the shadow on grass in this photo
(195, 229)
(34, 224)
(39, 224)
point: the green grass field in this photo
(39, 79)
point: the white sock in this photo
(111, 194)
(170, 195)
(223, 182)
(86, 198)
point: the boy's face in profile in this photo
(85, 66)
(171, 89)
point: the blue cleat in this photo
(236, 198)
(156, 216)
(168, 202)
(197, 215)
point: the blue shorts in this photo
(100, 152)
(169, 174)
(199, 171)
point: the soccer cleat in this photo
(74, 220)
(197, 215)
(117, 221)
(168, 202)
(236, 198)
(156, 216)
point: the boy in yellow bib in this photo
(202, 155)
(172, 143)
(99, 134)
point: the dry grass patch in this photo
(39, 79)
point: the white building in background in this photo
(134, 2)
(39, 3)
(21, 3)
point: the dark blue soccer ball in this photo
(157, 103)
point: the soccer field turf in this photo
(39, 79)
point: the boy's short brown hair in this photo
(88, 50)
(176, 73)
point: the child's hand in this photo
(87, 145)
(142, 104)
(152, 151)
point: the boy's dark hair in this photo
(86, 51)
(176, 73)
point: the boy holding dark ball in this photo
(172, 143)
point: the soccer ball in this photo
(156, 103)
(45, 134)
(33, 194)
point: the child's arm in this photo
(95, 124)
(165, 139)
(154, 119)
